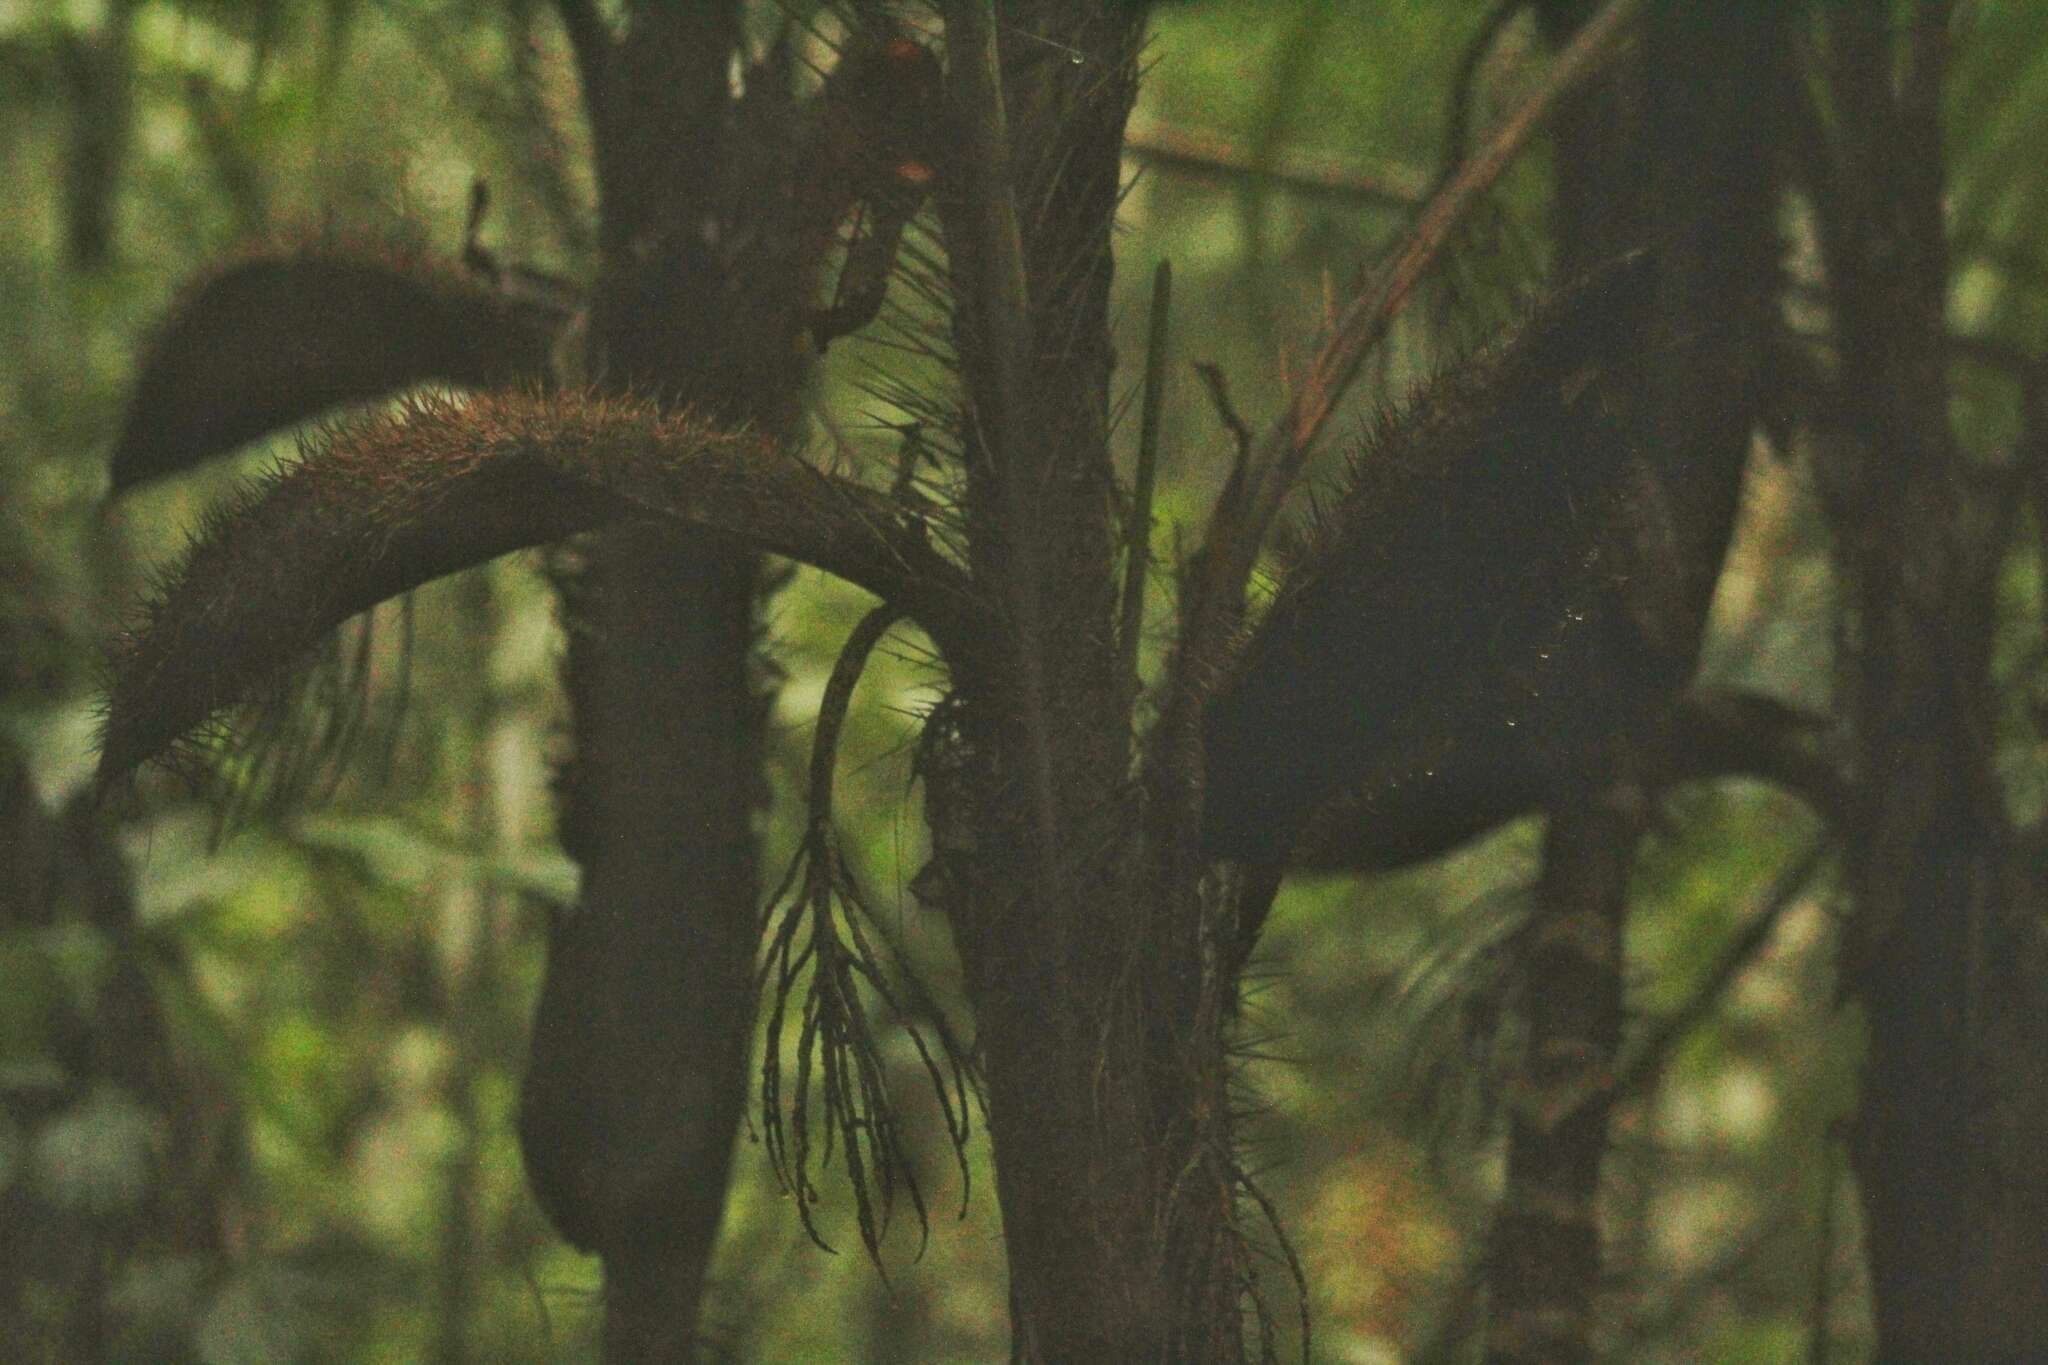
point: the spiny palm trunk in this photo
(1081, 945)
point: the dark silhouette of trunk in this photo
(1674, 151)
(99, 72)
(637, 1078)
(1947, 1140)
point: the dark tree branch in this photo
(1955, 1207)
(100, 71)
(1545, 1249)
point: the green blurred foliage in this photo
(354, 981)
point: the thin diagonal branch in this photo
(1364, 321)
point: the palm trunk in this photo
(637, 1077)
(1083, 951)
(1674, 152)
(1946, 1145)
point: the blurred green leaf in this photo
(98, 1156)
(162, 1292)
(80, 956)
(258, 1318)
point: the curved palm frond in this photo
(392, 501)
(284, 335)
(1463, 611)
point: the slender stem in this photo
(998, 293)
(468, 937)
(1145, 485)
(832, 708)
(1545, 1249)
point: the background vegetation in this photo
(290, 1060)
